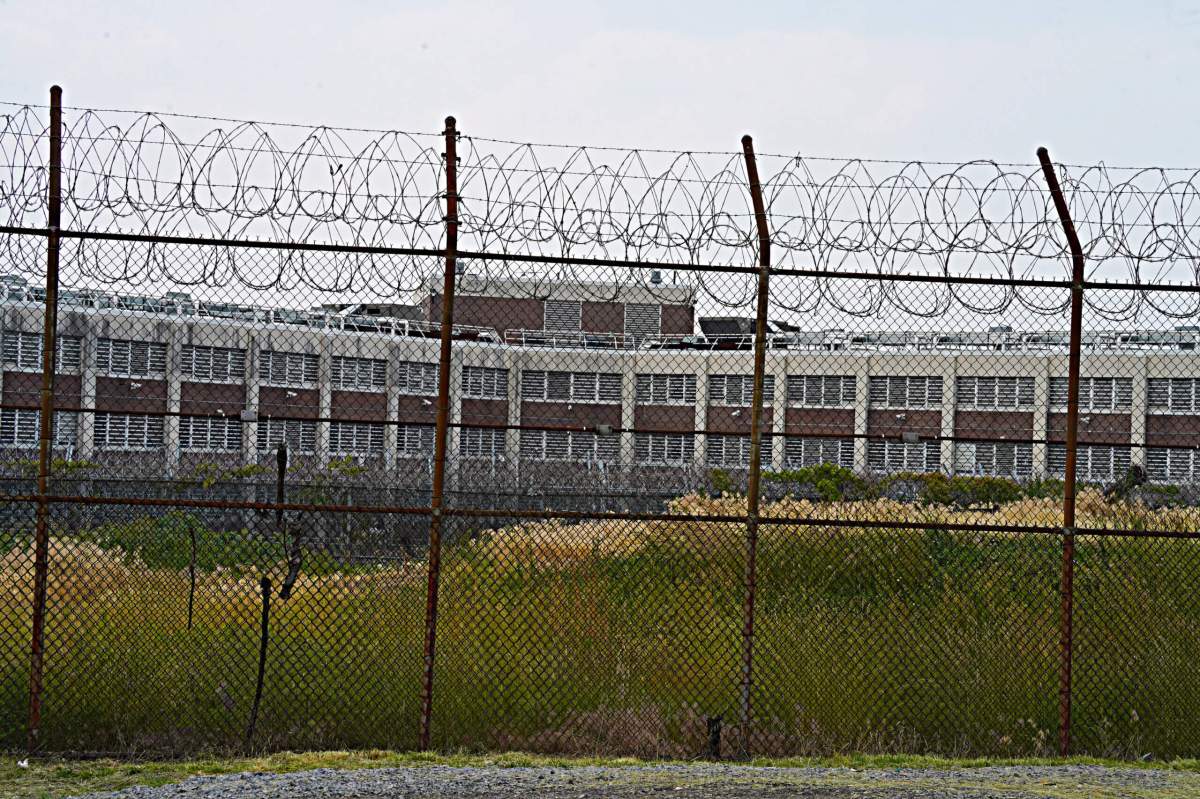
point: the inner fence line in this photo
(798, 521)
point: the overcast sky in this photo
(920, 79)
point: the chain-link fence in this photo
(353, 438)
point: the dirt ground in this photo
(684, 781)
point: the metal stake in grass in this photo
(295, 557)
(191, 576)
(265, 585)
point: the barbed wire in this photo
(183, 175)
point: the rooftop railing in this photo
(88, 299)
(995, 340)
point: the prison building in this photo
(562, 380)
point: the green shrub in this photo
(326, 487)
(959, 491)
(968, 491)
(720, 482)
(1042, 487)
(59, 467)
(829, 482)
(207, 475)
(166, 542)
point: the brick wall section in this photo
(818, 421)
(1172, 431)
(729, 420)
(274, 401)
(208, 398)
(885, 422)
(494, 312)
(24, 390)
(678, 319)
(130, 395)
(1006, 425)
(571, 414)
(484, 412)
(1094, 428)
(417, 410)
(603, 317)
(664, 418)
(363, 406)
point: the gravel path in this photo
(682, 781)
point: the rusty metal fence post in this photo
(443, 419)
(41, 565)
(1067, 587)
(752, 488)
